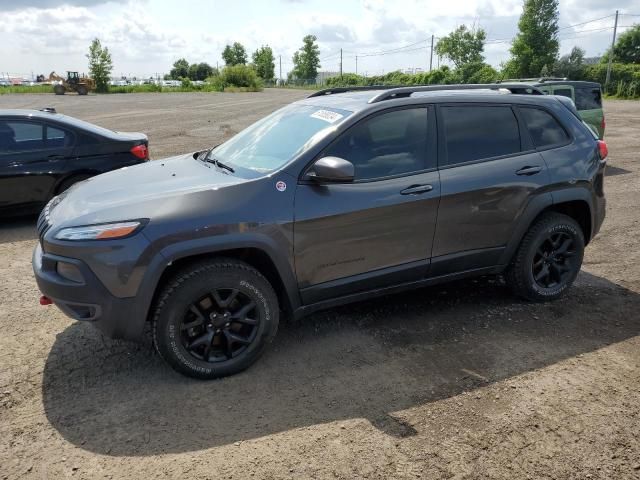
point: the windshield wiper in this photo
(219, 164)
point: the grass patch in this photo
(26, 89)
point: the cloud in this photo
(44, 4)
(333, 33)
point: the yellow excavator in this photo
(73, 83)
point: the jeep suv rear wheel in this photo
(215, 319)
(548, 259)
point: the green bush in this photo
(241, 76)
(624, 81)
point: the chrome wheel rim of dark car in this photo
(553, 261)
(220, 326)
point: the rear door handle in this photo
(416, 189)
(53, 158)
(529, 170)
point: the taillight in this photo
(603, 150)
(140, 151)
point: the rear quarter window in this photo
(544, 129)
(565, 92)
(588, 98)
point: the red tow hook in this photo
(44, 300)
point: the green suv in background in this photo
(587, 96)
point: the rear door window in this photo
(544, 129)
(477, 132)
(588, 98)
(21, 136)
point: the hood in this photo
(140, 191)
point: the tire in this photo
(59, 89)
(204, 325)
(69, 182)
(548, 259)
(82, 90)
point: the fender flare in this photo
(214, 245)
(535, 207)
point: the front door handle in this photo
(416, 189)
(529, 170)
(53, 158)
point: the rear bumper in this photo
(87, 300)
(600, 213)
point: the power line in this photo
(584, 23)
(393, 50)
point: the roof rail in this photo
(330, 91)
(401, 92)
(48, 110)
(536, 79)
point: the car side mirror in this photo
(332, 169)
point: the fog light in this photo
(69, 272)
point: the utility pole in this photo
(431, 56)
(341, 63)
(613, 43)
(356, 64)
(281, 69)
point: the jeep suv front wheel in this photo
(548, 259)
(215, 319)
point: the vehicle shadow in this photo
(17, 229)
(366, 360)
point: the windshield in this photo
(273, 141)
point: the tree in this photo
(204, 71)
(263, 61)
(306, 61)
(100, 65)
(476, 72)
(536, 44)
(627, 47)
(180, 69)
(234, 55)
(571, 65)
(462, 46)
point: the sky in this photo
(145, 37)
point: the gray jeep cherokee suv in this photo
(347, 194)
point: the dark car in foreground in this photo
(345, 195)
(43, 153)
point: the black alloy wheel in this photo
(220, 325)
(215, 318)
(548, 259)
(553, 263)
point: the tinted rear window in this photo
(565, 92)
(544, 128)
(478, 132)
(588, 98)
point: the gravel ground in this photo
(460, 381)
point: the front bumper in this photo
(87, 300)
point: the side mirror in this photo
(332, 169)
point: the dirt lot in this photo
(460, 381)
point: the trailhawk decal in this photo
(326, 115)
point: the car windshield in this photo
(273, 141)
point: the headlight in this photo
(105, 231)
